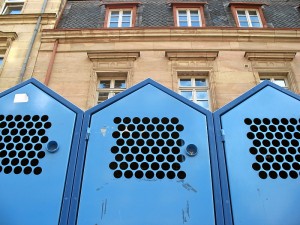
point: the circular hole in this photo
(128, 174)
(257, 121)
(272, 150)
(170, 142)
(293, 174)
(283, 174)
(269, 158)
(284, 121)
(160, 158)
(253, 128)
(123, 166)
(275, 121)
(150, 127)
(139, 158)
(282, 150)
(5, 161)
(144, 166)
(35, 118)
(116, 134)
(259, 158)
(179, 127)
(263, 128)
(272, 128)
(256, 143)
(290, 128)
(7, 169)
(170, 127)
(160, 174)
(160, 142)
(140, 127)
(139, 174)
(260, 135)
(35, 139)
(34, 162)
(281, 128)
(176, 166)
(146, 120)
(181, 158)
(130, 142)
(117, 120)
(145, 135)
(120, 142)
(136, 120)
(129, 158)
(5, 131)
(124, 149)
(149, 174)
(262, 174)
(31, 154)
(276, 166)
(17, 118)
(286, 166)
(41, 132)
(174, 120)
(253, 151)
(135, 135)
(165, 135)
(118, 174)
(292, 150)
(297, 157)
(289, 158)
(266, 166)
(175, 135)
(285, 143)
(293, 121)
(266, 143)
(180, 142)
(165, 150)
(140, 142)
(18, 170)
(269, 135)
(160, 127)
(38, 147)
(21, 154)
(12, 154)
(279, 158)
(134, 150)
(273, 174)
(119, 157)
(47, 125)
(121, 127)
(32, 132)
(145, 150)
(10, 146)
(155, 120)
(2, 117)
(9, 117)
(250, 135)
(131, 127)
(275, 143)
(3, 153)
(155, 135)
(155, 166)
(170, 158)
(155, 150)
(247, 121)
(170, 174)
(37, 170)
(150, 142)
(28, 146)
(12, 124)
(296, 166)
(2, 124)
(44, 139)
(150, 158)
(7, 139)
(29, 125)
(39, 125)
(24, 162)
(134, 165)
(27, 170)
(175, 150)
(126, 120)
(44, 118)
(266, 121)
(263, 150)
(165, 166)
(295, 143)
(297, 135)
(165, 120)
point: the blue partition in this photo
(258, 138)
(39, 136)
(147, 157)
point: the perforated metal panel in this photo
(147, 161)
(262, 153)
(33, 125)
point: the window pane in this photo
(14, 10)
(126, 19)
(187, 94)
(239, 12)
(194, 12)
(244, 24)
(200, 83)
(254, 19)
(114, 13)
(242, 18)
(114, 19)
(195, 24)
(194, 18)
(201, 95)
(185, 83)
(280, 82)
(182, 13)
(104, 84)
(263, 79)
(182, 18)
(256, 25)
(1, 61)
(128, 13)
(183, 24)
(204, 104)
(120, 84)
(102, 96)
(252, 13)
(125, 24)
(113, 24)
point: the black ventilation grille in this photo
(147, 148)
(275, 147)
(21, 139)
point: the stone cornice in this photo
(270, 56)
(171, 34)
(191, 55)
(27, 18)
(113, 55)
(6, 38)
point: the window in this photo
(1, 61)
(120, 14)
(280, 81)
(108, 88)
(12, 7)
(248, 14)
(189, 14)
(195, 89)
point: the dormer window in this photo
(188, 14)
(120, 15)
(248, 14)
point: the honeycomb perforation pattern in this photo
(147, 148)
(21, 142)
(275, 146)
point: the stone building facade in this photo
(210, 52)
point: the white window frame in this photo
(193, 88)
(248, 17)
(188, 13)
(12, 4)
(274, 78)
(120, 19)
(111, 90)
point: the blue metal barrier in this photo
(39, 136)
(147, 157)
(259, 153)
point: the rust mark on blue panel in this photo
(187, 186)
(186, 213)
(103, 210)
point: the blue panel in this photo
(136, 168)
(32, 179)
(262, 154)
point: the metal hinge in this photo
(88, 132)
(223, 135)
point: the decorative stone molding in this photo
(47, 18)
(6, 38)
(192, 55)
(113, 56)
(270, 56)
